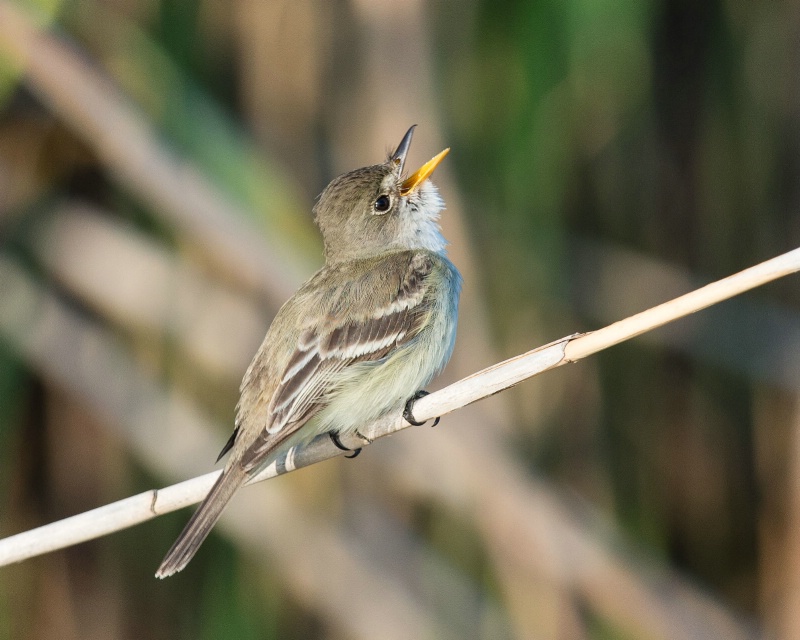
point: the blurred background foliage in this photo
(158, 164)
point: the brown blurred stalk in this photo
(778, 464)
(126, 143)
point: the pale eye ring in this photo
(382, 204)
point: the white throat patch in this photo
(421, 216)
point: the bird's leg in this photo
(338, 444)
(408, 411)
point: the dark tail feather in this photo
(201, 523)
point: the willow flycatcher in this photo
(357, 341)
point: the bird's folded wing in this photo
(324, 350)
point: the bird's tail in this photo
(201, 523)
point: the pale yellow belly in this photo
(373, 389)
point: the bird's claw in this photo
(338, 444)
(408, 414)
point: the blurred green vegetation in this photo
(664, 130)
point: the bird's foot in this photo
(338, 443)
(408, 412)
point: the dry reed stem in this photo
(482, 384)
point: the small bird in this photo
(357, 341)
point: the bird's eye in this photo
(382, 204)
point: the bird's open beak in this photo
(399, 156)
(421, 174)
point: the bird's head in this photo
(376, 209)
